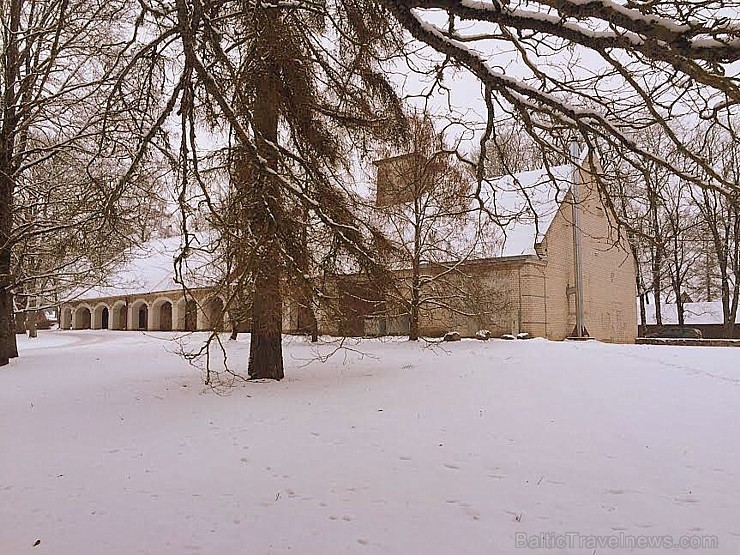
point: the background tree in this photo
(65, 241)
(511, 150)
(662, 223)
(681, 247)
(425, 206)
(57, 62)
(720, 215)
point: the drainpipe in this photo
(575, 152)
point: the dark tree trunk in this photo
(657, 251)
(314, 323)
(414, 315)
(234, 325)
(639, 285)
(7, 328)
(729, 308)
(265, 351)
(8, 347)
(657, 290)
(728, 324)
(680, 310)
(416, 270)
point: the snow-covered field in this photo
(110, 444)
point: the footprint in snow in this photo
(685, 499)
(471, 512)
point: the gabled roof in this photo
(525, 205)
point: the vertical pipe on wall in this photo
(580, 330)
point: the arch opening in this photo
(82, 318)
(165, 316)
(100, 317)
(142, 318)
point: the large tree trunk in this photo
(729, 306)
(265, 351)
(8, 347)
(728, 324)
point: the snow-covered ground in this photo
(110, 444)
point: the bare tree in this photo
(57, 61)
(651, 202)
(681, 247)
(71, 229)
(720, 214)
(424, 202)
(627, 190)
(511, 150)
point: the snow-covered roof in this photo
(150, 268)
(523, 205)
(694, 313)
(526, 204)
